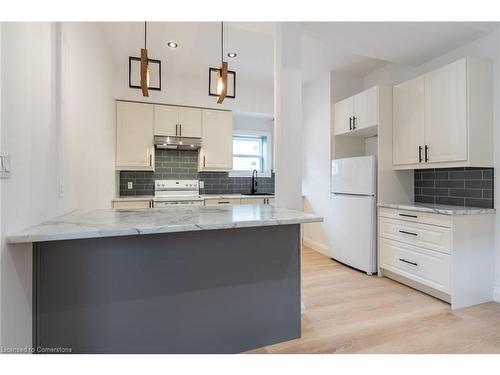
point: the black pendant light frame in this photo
(133, 59)
(212, 91)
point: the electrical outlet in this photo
(202, 184)
(130, 185)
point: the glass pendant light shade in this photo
(220, 84)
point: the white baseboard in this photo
(315, 245)
(496, 294)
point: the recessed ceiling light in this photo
(172, 44)
(232, 54)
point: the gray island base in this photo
(222, 290)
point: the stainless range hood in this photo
(177, 143)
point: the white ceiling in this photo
(354, 47)
(199, 46)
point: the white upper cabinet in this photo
(177, 121)
(216, 153)
(166, 120)
(190, 122)
(134, 136)
(450, 121)
(358, 114)
(343, 116)
(365, 109)
(408, 108)
(446, 113)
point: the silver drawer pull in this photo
(406, 215)
(407, 261)
(410, 233)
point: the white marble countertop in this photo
(439, 208)
(109, 223)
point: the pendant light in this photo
(222, 75)
(145, 64)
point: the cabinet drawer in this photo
(431, 237)
(427, 267)
(416, 216)
(221, 202)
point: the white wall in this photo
(316, 154)
(288, 115)
(71, 140)
(87, 118)
(487, 47)
(1, 181)
(28, 135)
(319, 97)
(193, 91)
(253, 122)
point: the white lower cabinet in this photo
(448, 256)
(259, 200)
(221, 201)
(428, 267)
(218, 201)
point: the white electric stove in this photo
(177, 193)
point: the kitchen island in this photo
(173, 280)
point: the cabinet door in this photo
(366, 109)
(190, 122)
(343, 115)
(134, 136)
(408, 121)
(217, 141)
(446, 113)
(166, 120)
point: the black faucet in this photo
(254, 181)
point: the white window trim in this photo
(261, 133)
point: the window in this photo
(251, 151)
(247, 153)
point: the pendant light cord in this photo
(145, 34)
(222, 42)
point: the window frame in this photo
(266, 153)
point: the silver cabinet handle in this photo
(180, 130)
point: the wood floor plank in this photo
(350, 312)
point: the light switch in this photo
(130, 185)
(4, 166)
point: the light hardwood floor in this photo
(350, 312)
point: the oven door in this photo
(183, 203)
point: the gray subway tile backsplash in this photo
(455, 186)
(176, 165)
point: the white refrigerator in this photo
(353, 205)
